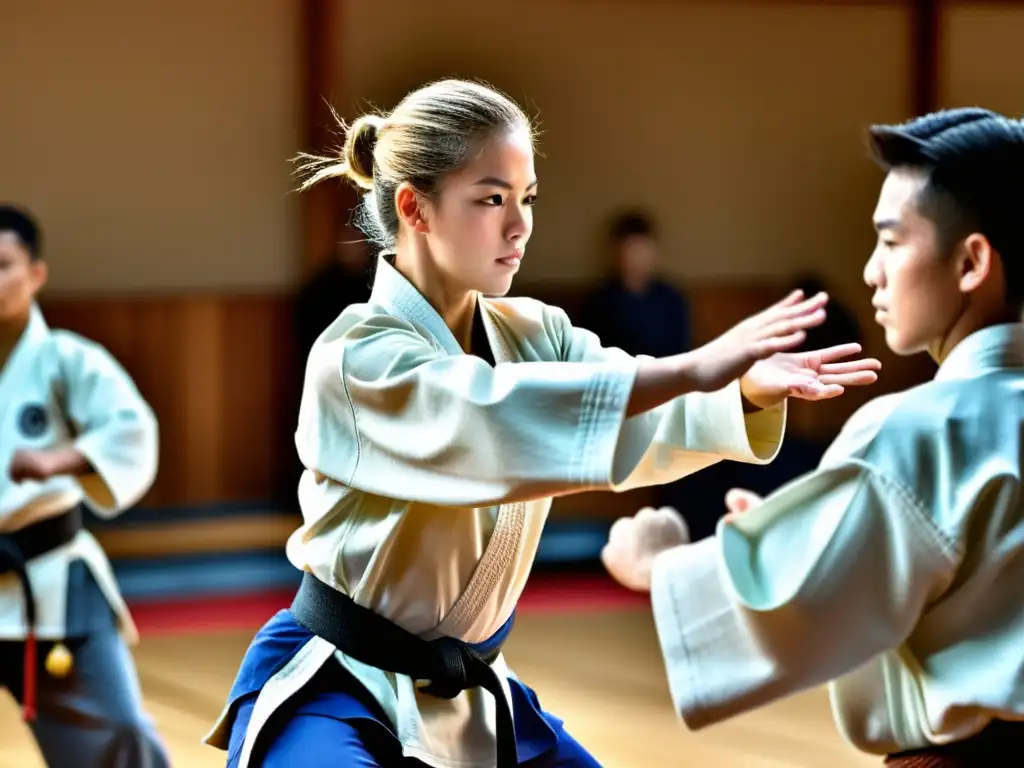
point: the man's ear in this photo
(40, 274)
(975, 262)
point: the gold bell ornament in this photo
(59, 661)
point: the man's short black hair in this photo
(631, 224)
(24, 226)
(974, 162)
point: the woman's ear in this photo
(411, 208)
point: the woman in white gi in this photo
(73, 429)
(896, 569)
(437, 422)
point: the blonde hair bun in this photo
(357, 154)
(354, 161)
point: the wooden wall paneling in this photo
(325, 204)
(261, 384)
(201, 379)
(162, 365)
(216, 371)
(215, 535)
(925, 55)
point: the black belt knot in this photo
(443, 667)
(460, 668)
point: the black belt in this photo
(449, 665)
(989, 747)
(16, 549)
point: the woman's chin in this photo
(497, 286)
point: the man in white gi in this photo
(895, 571)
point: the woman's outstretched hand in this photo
(777, 329)
(817, 375)
(757, 352)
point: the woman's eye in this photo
(497, 200)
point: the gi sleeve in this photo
(387, 412)
(833, 569)
(115, 428)
(683, 435)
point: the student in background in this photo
(637, 311)
(74, 431)
(634, 309)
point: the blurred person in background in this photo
(641, 313)
(343, 280)
(635, 309)
(74, 431)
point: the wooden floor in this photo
(601, 672)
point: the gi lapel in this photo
(395, 293)
(510, 519)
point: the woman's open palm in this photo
(817, 375)
(778, 328)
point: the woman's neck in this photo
(455, 304)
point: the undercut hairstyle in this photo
(973, 162)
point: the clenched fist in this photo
(42, 465)
(32, 465)
(634, 542)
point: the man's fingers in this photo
(620, 529)
(740, 500)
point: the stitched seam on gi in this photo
(498, 556)
(587, 405)
(355, 424)
(949, 548)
